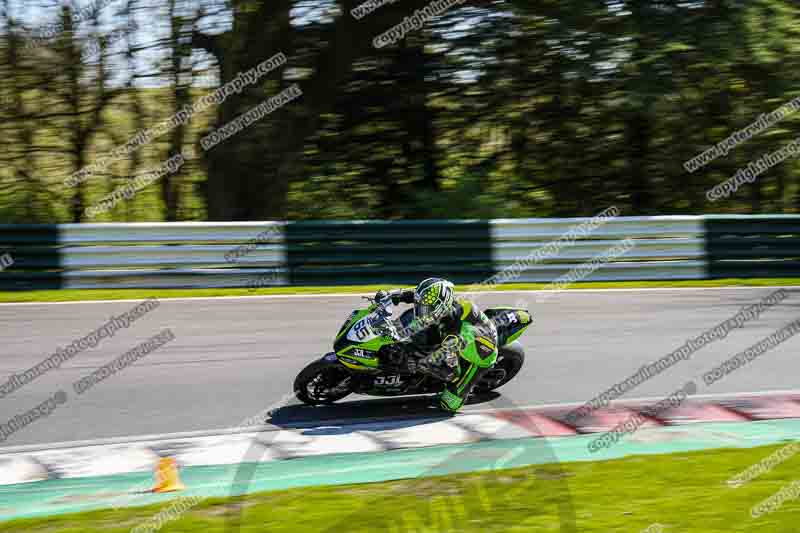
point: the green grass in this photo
(683, 492)
(71, 295)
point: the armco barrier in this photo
(200, 254)
(159, 255)
(667, 247)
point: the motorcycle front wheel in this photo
(322, 383)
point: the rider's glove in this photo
(443, 362)
(381, 295)
(448, 352)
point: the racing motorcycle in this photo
(374, 354)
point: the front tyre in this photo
(322, 383)
(509, 363)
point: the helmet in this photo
(433, 299)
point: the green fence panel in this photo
(753, 247)
(386, 252)
(34, 250)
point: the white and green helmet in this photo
(433, 299)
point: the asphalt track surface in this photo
(234, 357)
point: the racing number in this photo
(389, 381)
(361, 330)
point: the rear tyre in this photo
(509, 363)
(322, 383)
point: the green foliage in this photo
(510, 109)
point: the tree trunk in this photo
(246, 179)
(180, 97)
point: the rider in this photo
(450, 329)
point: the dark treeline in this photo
(504, 108)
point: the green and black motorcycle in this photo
(375, 355)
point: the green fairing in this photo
(358, 316)
(373, 345)
(371, 363)
(376, 344)
(516, 335)
(470, 353)
(521, 326)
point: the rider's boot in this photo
(456, 392)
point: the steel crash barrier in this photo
(260, 254)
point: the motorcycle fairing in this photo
(357, 344)
(511, 323)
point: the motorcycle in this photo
(375, 355)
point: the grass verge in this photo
(72, 295)
(685, 492)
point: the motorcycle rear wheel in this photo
(509, 363)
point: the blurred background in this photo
(494, 109)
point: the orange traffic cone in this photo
(167, 478)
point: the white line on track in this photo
(645, 399)
(354, 295)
